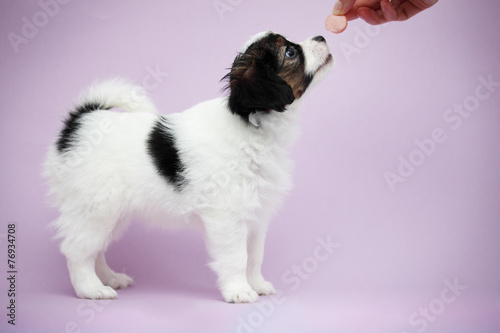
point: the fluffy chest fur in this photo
(230, 164)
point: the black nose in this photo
(320, 39)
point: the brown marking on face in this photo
(290, 69)
(293, 72)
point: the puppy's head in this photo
(272, 72)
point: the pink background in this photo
(391, 86)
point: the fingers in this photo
(349, 8)
(388, 11)
(369, 16)
(381, 11)
(412, 7)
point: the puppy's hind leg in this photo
(83, 241)
(109, 277)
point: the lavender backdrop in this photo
(397, 166)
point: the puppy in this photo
(221, 164)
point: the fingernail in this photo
(430, 2)
(337, 9)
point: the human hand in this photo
(381, 11)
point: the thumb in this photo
(342, 7)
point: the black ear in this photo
(255, 85)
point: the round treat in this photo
(336, 23)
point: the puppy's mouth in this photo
(328, 61)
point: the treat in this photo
(336, 23)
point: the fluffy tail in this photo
(115, 93)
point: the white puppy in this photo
(221, 164)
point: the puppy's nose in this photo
(320, 39)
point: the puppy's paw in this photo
(118, 280)
(242, 294)
(263, 287)
(100, 292)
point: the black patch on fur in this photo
(71, 125)
(162, 149)
(254, 82)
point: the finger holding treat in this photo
(373, 11)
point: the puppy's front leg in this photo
(256, 239)
(227, 245)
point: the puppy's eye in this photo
(290, 53)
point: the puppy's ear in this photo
(255, 85)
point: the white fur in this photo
(238, 175)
